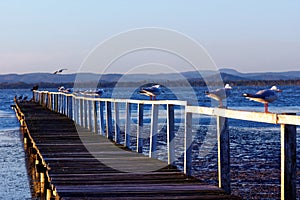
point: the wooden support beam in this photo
(223, 154)
(288, 161)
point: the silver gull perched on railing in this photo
(220, 94)
(264, 96)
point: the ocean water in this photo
(255, 147)
(14, 182)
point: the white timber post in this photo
(108, 120)
(170, 134)
(140, 125)
(153, 131)
(127, 125)
(288, 161)
(117, 122)
(188, 144)
(223, 154)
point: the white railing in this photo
(84, 111)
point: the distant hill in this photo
(226, 74)
(289, 75)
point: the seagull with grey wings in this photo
(152, 91)
(264, 96)
(59, 71)
(220, 94)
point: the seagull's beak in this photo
(278, 90)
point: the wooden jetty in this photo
(63, 168)
(63, 130)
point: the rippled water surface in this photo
(255, 147)
(14, 182)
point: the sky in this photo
(248, 35)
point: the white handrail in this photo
(78, 107)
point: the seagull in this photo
(264, 96)
(98, 92)
(152, 91)
(59, 71)
(220, 94)
(36, 87)
(25, 98)
(64, 90)
(20, 97)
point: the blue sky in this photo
(249, 35)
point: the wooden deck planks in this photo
(79, 171)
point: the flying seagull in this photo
(264, 96)
(59, 71)
(152, 91)
(220, 94)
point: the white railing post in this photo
(59, 103)
(66, 102)
(75, 109)
(50, 101)
(117, 123)
(108, 120)
(40, 98)
(223, 154)
(170, 134)
(101, 111)
(90, 105)
(288, 161)
(153, 131)
(71, 108)
(140, 126)
(81, 112)
(95, 117)
(34, 95)
(127, 125)
(188, 144)
(56, 103)
(85, 113)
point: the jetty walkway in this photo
(62, 167)
(76, 148)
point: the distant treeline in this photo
(22, 85)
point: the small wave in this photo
(5, 114)
(10, 129)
